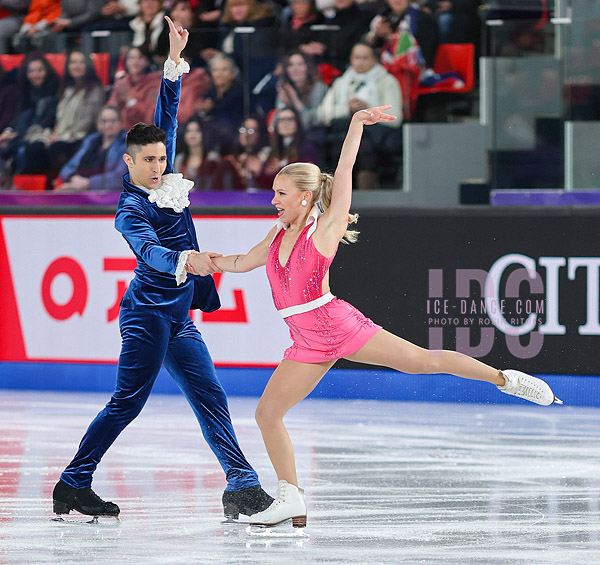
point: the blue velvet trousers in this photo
(148, 342)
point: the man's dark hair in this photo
(143, 134)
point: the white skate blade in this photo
(85, 520)
(283, 530)
(557, 400)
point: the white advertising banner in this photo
(64, 277)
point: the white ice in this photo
(385, 483)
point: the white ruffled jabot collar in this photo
(172, 192)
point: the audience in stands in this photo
(300, 88)
(238, 13)
(48, 18)
(240, 169)
(182, 14)
(256, 52)
(296, 29)
(135, 88)
(352, 22)
(210, 11)
(366, 83)
(150, 31)
(11, 19)
(115, 15)
(98, 163)
(199, 39)
(408, 39)
(36, 24)
(401, 23)
(288, 145)
(223, 104)
(78, 108)
(75, 14)
(306, 115)
(33, 106)
(192, 159)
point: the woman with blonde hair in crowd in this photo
(223, 103)
(313, 212)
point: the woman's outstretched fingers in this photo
(387, 118)
(376, 114)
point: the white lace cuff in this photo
(172, 72)
(180, 272)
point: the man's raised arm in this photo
(165, 115)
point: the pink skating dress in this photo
(332, 331)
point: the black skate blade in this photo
(281, 530)
(89, 521)
(228, 520)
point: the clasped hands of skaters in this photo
(202, 263)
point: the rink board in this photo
(62, 276)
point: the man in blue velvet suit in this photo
(156, 328)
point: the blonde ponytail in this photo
(308, 177)
(326, 185)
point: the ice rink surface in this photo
(386, 482)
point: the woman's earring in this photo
(303, 203)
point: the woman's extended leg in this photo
(289, 384)
(389, 350)
(392, 351)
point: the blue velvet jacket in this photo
(158, 235)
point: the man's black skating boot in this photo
(84, 500)
(247, 501)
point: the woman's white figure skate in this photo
(528, 387)
(289, 504)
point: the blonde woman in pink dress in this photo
(313, 217)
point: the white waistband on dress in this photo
(301, 308)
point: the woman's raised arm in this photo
(341, 194)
